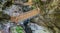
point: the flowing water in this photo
(16, 10)
(39, 29)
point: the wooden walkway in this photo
(25, 15)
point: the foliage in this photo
(17, 29)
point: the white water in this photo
(11, 10)
(39, 29)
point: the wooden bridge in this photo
(26, 15)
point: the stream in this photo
(9, 27)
